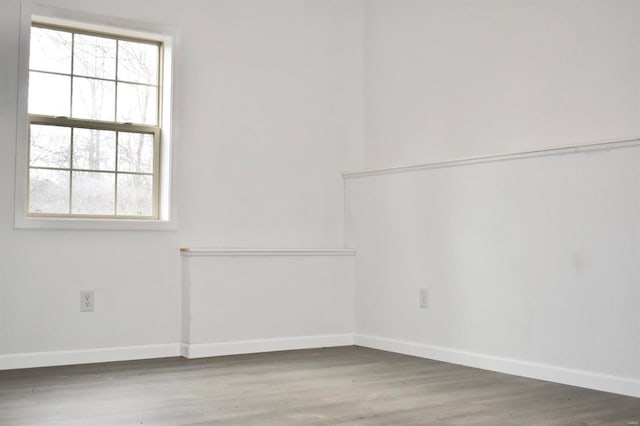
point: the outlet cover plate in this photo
(424, 297)
(86, 301)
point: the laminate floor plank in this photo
(334, 386)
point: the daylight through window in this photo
(94, 124)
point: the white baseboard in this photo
(87, 356)
(184, 350)
(200, 350)
(581, 378)
(129, 353)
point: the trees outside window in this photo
(94, 124)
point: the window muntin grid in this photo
(117, 186)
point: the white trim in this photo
(201, 350)
(26, 222)
(573, 377)
(185, 301)
(170, 37)
(87, 356)
(551, 373)
(55, 16)
(22, 116)
(184, 350)
(559, 150)
(265, 252)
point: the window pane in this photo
(94, 56)
(93, 193)
(94, 149)
(48, 191)
(49, 94)
(137, 103)
(135, 152)
(50, 50)
(50, 146)
(93, 99)
(97, 171)
(138, 62)
(135, 195)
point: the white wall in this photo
(531, 260)
(532, 263)
(449, 79)
(252, 302)
(268, 109)
(274, 90)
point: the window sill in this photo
(95, 224)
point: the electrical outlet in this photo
(424, 297)
(86, 301)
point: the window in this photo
(96, 147)
(94, 126)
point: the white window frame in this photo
(167, 218)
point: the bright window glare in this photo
(50, 146)
(137, 103)
(135, 195)
(138, 62)
(50, 50)
(94, 56)
(94, 149)
(93, 193)
(135, 152)
(48, 191)
(49, 94)
(94, 127)
(93, 99)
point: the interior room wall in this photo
(245, 302)
(451, 79)
(268, 112)
(531, 264)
